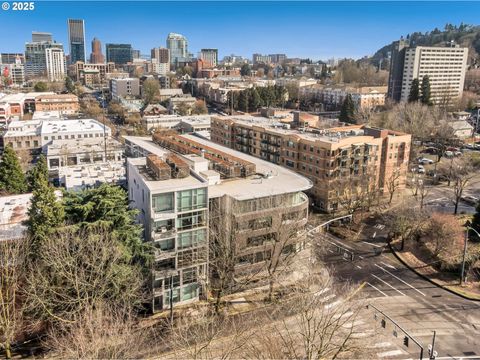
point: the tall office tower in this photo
(209, 56)
(55, 61)
(395, 76)
(35, 54)
(76, 40)
(445, 67)
(120, 54)
(96, 57)
(41, 36)
(178, 46)
(162, 55)
(135, 54)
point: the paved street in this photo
(415, 304)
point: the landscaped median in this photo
(445, 280)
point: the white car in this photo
(421, 169)
(470, 199)
(425, 161)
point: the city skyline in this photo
(213, 25)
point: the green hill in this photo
(464, 35)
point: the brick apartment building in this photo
(333, 159)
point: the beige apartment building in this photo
(339, 161)
(364, 97)
(93, 74)
(445, 66)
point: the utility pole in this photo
(431, 348)
(462, 275)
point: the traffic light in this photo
(405, 341)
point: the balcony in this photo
(163, 233)
(163, 254)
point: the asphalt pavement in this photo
(414, 304)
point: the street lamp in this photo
(465, 250)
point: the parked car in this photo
(430, 150)
(470, 199)
(421, 169)
(425, 161)
(448, 154)
(457, 153)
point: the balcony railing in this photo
(163, 234)
(163, 254)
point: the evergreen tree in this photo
(38, 173)
(40, 86)
(69, 85)
(108, 205)
(414, 94)
(12, 178)
(426, 93)
(245, 70)
(255, 101)
(347, 112)
(45, 215)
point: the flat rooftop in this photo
(172, 184)
(13, 211)
(77, 125)
(82, 145)
(91, 174)
(270, 179)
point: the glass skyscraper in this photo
(120, 54)
(76, 40)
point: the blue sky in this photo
(318, 30)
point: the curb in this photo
(428, 279)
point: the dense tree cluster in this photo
(251, 99)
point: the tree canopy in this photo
(12, 178)
(347, 112)
(40, 86)
(426, 92)
(414, 94)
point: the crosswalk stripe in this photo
(381, 345)
(390, 353)
(375, 276)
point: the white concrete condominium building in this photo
(445, 67)
(55, 60)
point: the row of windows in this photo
(66, 137)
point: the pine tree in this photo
(414, 94)
(12, 178)
(426, 93)
(46, 213)
(69, 85)
(38, 173)
(347, 112)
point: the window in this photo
(261, 223)
(191, 199)
(191, 220)
(175, 297)
(189, 292)
(190, 276)
(165, 245)
(191, 238)
(165, 264)
(259, 240)
(162, 202)
(163, 225)
(175, 280)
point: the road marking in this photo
(375, 276)
(381, 345)
(360, 256)
(330, 251)
(390, 266)
(390, 353)
(396, 277)
(380, 291)
(366, 242)
(358, 266)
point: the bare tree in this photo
(12, 257)
(460, 176)
(75, 269)
(99, 332)
(309, 327)
(405, 223)
(393, 184)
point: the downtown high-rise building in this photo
(96, 57)
(35, 54)
(178, 46)
(209, 56)
(120, 54)
(55, 63)
(76, 40)
(41, 36)
(160, 54)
